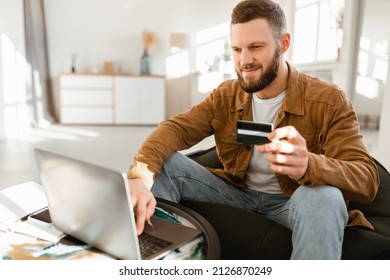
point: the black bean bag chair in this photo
(247, 235)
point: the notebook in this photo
(91, 203)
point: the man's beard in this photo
(266, 78)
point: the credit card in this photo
(253, 133)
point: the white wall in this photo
(12, 52)
(111, 30)
(383, 151)
(375, 31)
(2, 119)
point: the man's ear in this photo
(285, 43)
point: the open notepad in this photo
(17, 203)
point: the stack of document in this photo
(17, 203)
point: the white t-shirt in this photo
(259, 175)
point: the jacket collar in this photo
(295, 94)
(243, 104)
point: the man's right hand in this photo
(143, 202)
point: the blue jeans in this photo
(316, 216)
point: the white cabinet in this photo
(107, 99)
(86, 99)
(139, 100)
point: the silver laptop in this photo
(91, 203)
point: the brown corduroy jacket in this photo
(321, 113)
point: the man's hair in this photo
(269, 10)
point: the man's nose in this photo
(246, 57)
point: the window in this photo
(318, 31)
(15, 114)
(213, 52)
(213, 57)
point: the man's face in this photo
(256, 55)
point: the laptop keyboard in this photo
(150, 244)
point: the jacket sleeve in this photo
(178, 133)
(344, 161)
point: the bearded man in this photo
(315, 160)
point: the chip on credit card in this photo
(253, 133)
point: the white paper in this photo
(18, 201)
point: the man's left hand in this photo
(288, 153)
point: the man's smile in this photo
(250, 70)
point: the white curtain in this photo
(37, 57)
